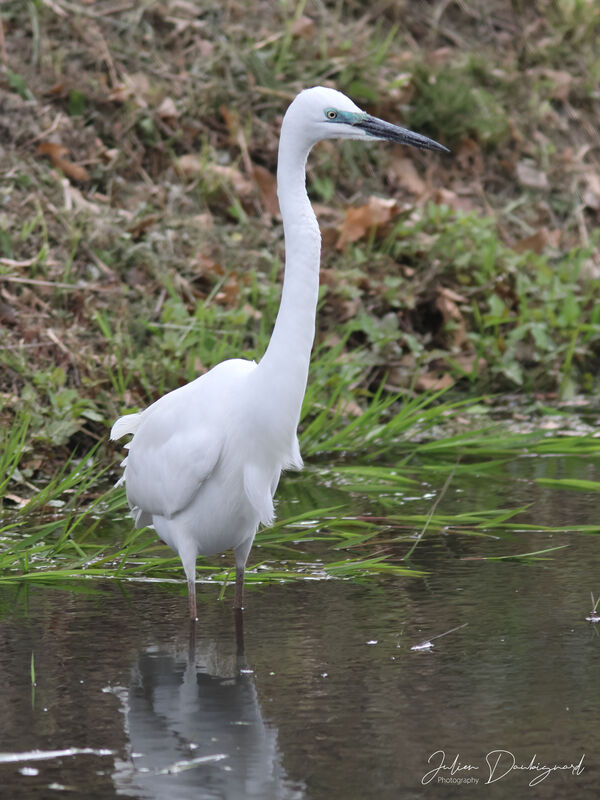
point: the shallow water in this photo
(324, 697)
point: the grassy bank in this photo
(140, 241)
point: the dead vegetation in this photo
(139, 231)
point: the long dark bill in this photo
(380, 129)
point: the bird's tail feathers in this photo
(127, 424)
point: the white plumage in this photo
(205, 459)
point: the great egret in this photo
(205, 459)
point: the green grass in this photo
(119, 288)
(125, 285)
(380, 516)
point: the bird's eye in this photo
(331, 113)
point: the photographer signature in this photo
(500, 763)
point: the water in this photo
(320, 695)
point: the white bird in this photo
(205, 459)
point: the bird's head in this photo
(323, 113)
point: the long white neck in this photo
(284, 367)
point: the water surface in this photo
(324, 698)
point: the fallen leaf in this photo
(141, 226)
(561, 82)
(75, 200)
(55, 153)
(52, 149)
(233, 176)
(591, 194)
(303, 27)
(167, 109)
(450, 294)
(469, 156)
(7, 314)
(446, 197)
(191, 165)
(434, 382)
(17, 499)
(538, 241)
(251, 311)
(359, 221)
(446, 303)
(530, 176)
(203, 221)
(229, 292)
(351, 408)
(267, 188)
(185, 7)
(232, 120)
(466, 361)
(407, 176)
(135, 86)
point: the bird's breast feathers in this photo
(206, 433)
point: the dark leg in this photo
(241, 556)
(192, 643)
(238, 597)
(239, 634)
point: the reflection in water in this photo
(339, 705)
(196, 729)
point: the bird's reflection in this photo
(195, 726)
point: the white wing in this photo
(163, 475)
(178, 441)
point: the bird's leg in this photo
(241, 556)
(192, 642)
(239, 631)
(192, 599)
(238, 597)
(188, 559)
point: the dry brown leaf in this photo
(450, 294)
(267, 188)
(167, 109)
(303, 27)
(359, 221)
(407, 176)
(141, 226)
(74, 171)
(233, 176)
(185, 7)
(203, 221)
(466, 361)
(232, 120)
(446, 304)
(229, 292)
(433, 382)
(446, 197)
(469, 156)
(17, 499)
(351, 408)
(75, 200)
(530, 176)
(591, 194)
(55, 153)
(204, 265)
(191, 165)
(562, 82)
(135, 86)
(52, 149)
(538, 241)
(252, 312)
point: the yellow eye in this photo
(331, 113)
